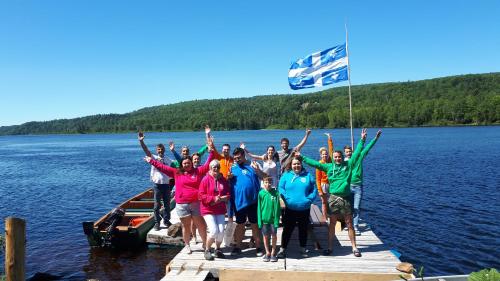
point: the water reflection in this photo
(106, 264)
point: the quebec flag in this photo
(319, 69)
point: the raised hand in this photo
(297, 154)
(171, 145)
(243, 146)
(147, 159)
(210, 143)
(308, 132)
(140, 136)
(363, 134)
(328, 135)
(379, 132)
(255, 165)
(207, 129)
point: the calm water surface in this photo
(432, 194)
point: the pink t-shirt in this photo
(187, 183)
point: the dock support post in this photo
(15, 248)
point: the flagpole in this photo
(349, 76)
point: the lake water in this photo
(432, 194)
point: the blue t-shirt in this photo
(245, 186)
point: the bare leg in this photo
(209, 243)
(352, 236)
(266, 244)
(274, 239)
(331, 231)
(239, 232)
(217, 245)
(324, 206)
(256, 234)
(202, 228)
(193, 231)
(186, 229)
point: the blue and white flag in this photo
(319, 69)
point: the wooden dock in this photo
(377, 262)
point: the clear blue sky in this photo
(66, 59)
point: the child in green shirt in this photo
(268, 216)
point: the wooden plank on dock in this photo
(251, 275)
(377, 262)
(187, 275)
(376, 258)
(161, 236)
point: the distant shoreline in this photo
(466, 100)
(295, 129)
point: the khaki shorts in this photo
(338, 205)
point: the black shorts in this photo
(249, 212)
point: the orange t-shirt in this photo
(321, 177)
(225, 163)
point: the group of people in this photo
(261, 194)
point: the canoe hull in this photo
(127, 234)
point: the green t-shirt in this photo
(339, 175)
(268, 207)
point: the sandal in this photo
(356, 253)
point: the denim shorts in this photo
(188, 209)
(268, 229)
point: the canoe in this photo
(124, 227)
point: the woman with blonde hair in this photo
(213, 195)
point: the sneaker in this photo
(219, 254)
(157, 226)
(208, 256)
(266, 258)
(167, 222)
(356, 253)
(236, 251)
(327, 252)
(357, 232)
(274, 258)
(258, 252)
(282, 253)
(304, 252)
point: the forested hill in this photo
(457, 100)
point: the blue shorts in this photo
(249, 212)
(268, 229)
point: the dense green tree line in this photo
(457, 100)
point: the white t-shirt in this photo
(157, 176)
(271, 169)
